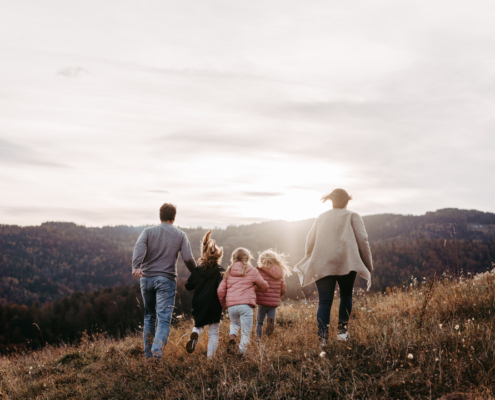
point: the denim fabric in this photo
(212, 337)
(241, 316)
(159, 298)
(326, 289)
(270, 312)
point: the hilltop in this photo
(388, 356)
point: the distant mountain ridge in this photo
(48, 262)
(468, 224)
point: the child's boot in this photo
(231, 346)
(271, 326)
(191, 344)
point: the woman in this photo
(337, 249)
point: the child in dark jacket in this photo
(206, 308)
(273, 268)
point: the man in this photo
(155, 263)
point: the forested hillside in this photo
(52, 271)
(51, 261)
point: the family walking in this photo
(337, 250)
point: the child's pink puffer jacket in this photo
(274, 276)
(236, 289)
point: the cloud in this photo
(159, 191)
(262, 194)
(205, 141)
(190, 103)
(12, 153)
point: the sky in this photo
(242, 112)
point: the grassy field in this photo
(452, 355)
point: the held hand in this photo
(138, 273)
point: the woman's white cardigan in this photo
(336, 245)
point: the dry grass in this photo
(388, 356)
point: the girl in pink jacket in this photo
(272, 267)
(237, 292)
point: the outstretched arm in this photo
(261, 285)
(140, 250)
(283, 289)
(362, 241)
(190, 284)
(186, 253)
(222, 292)
(310, 240)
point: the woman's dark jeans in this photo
(326, 289)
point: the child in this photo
(237, 293)
(206, 308)
(272, 267)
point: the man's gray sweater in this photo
(157, 249)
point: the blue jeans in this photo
(241, 316)
(326, 289)
(270, 312)
(159, 299)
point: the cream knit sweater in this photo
(336, 245)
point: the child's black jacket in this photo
(206, 308)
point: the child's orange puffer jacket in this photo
(274, 276)
(236, 289)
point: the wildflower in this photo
(440, 325)
(322, 354)
(456, 327)
(289, 351)
(410, 356)
(180, 316)
(436, 359)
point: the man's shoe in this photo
(191, 344)
(271, 326)
(153, 362)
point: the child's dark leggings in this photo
(326, 289)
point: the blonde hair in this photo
(339, 198)
(270, 257)
(211, 254)
(240, 254)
